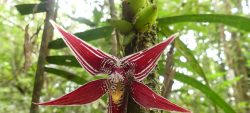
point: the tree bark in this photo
(139, 42)
(236, 61)
(46, 36)
(237, 64)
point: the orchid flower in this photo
(124, 73)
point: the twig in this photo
(169, 73)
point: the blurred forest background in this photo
(211, 59)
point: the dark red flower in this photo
(125, 73)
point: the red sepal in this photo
(85, 94)
(145, 60)
(92, 59)
(150, 100)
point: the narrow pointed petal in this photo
(146, 60)
(150, 100)
(85, 94)
(90, 58)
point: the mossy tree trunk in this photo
(139, 42)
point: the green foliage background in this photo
(206, 83)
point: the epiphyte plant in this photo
(125, 77)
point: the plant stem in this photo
(46, 36)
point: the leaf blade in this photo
(67, 75)
(213, 96)
(25, 9)
(187, 53)
(83, 20)
(88, 35)
(64, 60)
(230, 20)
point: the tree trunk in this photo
(236, 61)
(46, 36)
(139, 42)
(237, 64)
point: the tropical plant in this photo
(144, 23)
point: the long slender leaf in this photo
(241, 23)
(67, 75)
(83, 20)
(65, 60)
(88, 35)
(25, 9)
(187, 53)
(230, 20)
(206, 91)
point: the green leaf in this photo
(25, 9)
(187, 53)
(230, 20)
(88, 35)
(206, 91)
(67, 75)
(83, 20)
(65, 60)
